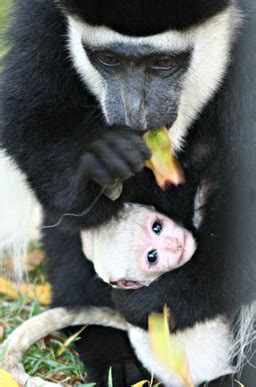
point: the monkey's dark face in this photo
(153, 81)
(142, 87)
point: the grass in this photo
(4, 8)
(53, 358)
(46, 358)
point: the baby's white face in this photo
(166, 245)
(133, 251)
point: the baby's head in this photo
(139, 246)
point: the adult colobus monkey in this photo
(83, 81)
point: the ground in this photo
(54, 357)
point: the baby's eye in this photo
(152, 256)
(157, 227)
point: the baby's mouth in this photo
(127, 284)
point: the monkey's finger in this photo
(115, 164)
(130, 154)
(136, 144)
(129, 139)
(134, 160)
(140, 144)
(94, 169)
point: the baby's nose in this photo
(175, 245)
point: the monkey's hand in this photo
(137, 305)
(194, 293)
(183, 291)
(118, 154)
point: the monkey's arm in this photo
(218, 279)
(68, 173)
(54, 129)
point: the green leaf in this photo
(110, 378)
(167, 348)
(163, 163)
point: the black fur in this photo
(49, 123)
(113, 349)
(135, 17)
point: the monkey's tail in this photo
(40, 326)
(243, 349)
(19, 213)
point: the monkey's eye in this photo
(157, 227)
(108, 60)
(152, 257)
(165, 64)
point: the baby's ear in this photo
(87, 244)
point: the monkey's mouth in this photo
(127, 284)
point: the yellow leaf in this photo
(167, 348)
(1, 332)
(141, 384)
(34, 258)
(41, 292)
(7, 289)
(70, 340)
(240, 384)
(6, 380)
(163, 163)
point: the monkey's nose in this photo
(175, 245)
(136, 121)
(135, 112)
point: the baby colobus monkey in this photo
(129, 253)
(137, 247)
(134, 250)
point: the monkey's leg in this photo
(101, 348)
